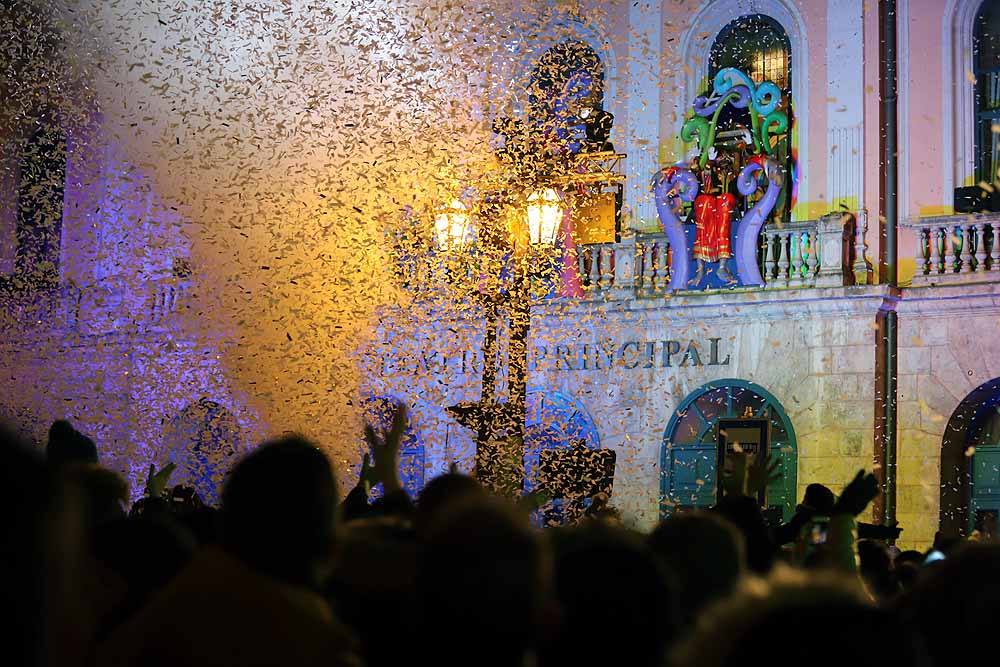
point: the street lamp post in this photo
(544, 218)
(500, 426)
(538, 158)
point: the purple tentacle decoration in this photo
(742, 97)
(667, 192)
(746, 182)
(749, 226)
(706, 106)
(702, 106)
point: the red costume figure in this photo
(713, 215)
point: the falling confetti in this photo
(260, 216)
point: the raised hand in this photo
(156, 481)
(761, 473)
(385, 450)
(734, 474)
(855, 497)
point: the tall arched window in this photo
(554, 421)
(565, 89)
(568, 65)
(986, 69)
(758, 46)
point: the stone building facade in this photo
(628, 361)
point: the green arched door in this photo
(689, 454)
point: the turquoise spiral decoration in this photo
(764, 97)
(729, 77)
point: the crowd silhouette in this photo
(286, 572)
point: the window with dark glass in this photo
(758, 46)
(42, 171)
(566, 95)
(986, 70)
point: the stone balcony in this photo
(956, 249)
(810, 254)
(103, 308)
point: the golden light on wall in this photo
(594, 221)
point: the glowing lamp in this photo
(451, 226)
(545, 214)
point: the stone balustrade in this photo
(957, 248)
(95, 309)
(51, 306)
(790, 256)
(814, 253)
(163, 298)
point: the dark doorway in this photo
(970, 461)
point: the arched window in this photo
(970, 461)
(758, 46)
(566, 89)
(755, 44)
(689, 456)
(986, 69)
(571, 65)
(554, 421)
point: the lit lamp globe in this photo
(545, 214)
(451, 226)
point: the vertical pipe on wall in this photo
(888, 139)
(886, 320)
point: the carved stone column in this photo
(830, 232)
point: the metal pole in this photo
(485, 426)
(886, 321)
(888, 221)
(884, 506)
(520, 328)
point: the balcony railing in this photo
(100, 308)
(51, 307)
(956, 249)
(815, 253)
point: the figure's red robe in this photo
(713, 215)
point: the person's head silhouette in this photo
(442, 493)
(482, 575)
(705, 552)
(67, 445)
(278, 509)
